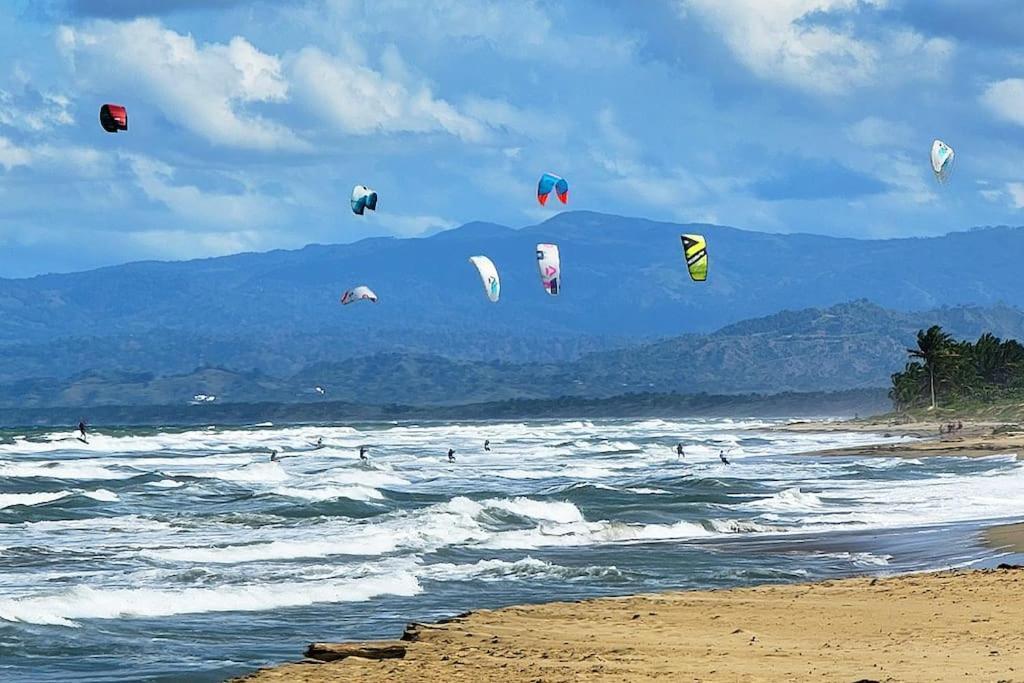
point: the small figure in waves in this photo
(81, 431)
(273, 455)
(679, 450)
(451, 455)
(721, 456)
(487, 445)
(363, 450)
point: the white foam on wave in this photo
(125, 523)
(458, 521)
(324, 493)
(260, 472)
(886, 463)
(741, 526)
(858, 559)
(102, 495)
(560, 512)
(166, 484)
(787, 500)
(81, 470)
(85, 602)
(43, 497)
(372, 477)
(502, 570)
(645, 491)
(592, 533)
(322, 546)
(28, 499)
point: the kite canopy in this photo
(363, 198)
(550, 267)
(942, 160)
(548, 182)
(113, 117)
(488, 276)
(360, 293)
(695, 250)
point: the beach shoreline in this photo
(1007, 537)
(921, 439)
(933, 626)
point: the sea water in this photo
(188, 554)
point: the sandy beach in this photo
(976, 439)
(923, 627)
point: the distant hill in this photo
(624, 282)
(814, 404)
(847, 346)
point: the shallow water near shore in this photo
(188, 554)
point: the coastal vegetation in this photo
(951, 374)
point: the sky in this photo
(249, 122)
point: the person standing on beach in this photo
(451, 455)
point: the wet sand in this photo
(922, 627)
(1009, 537)
(976, 439)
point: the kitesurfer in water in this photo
(363, 450)
(273, 455)
(451, 455)
(679, 450)
(487, 445)
(81, 429)
(721, 456)
(319, 442)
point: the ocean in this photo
(187, 554)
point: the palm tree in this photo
(989, 357)
(932, 345)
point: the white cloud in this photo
(1005, 99)
(69, 160)
(184, 244)
(779, 41)
(413, 226)
(524, 29)
(1011, 194)
(360, 100)
(1016, 192)
(671, 187)
(156, 179)
(909, 177)
(874, 131)
(34, 111)
(500, 115)
(203, 88)
(11, 155)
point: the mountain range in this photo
(266, 317)
(847, 346)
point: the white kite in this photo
(488, 276)
(942, 160)
(360, 293)
(550, 268)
